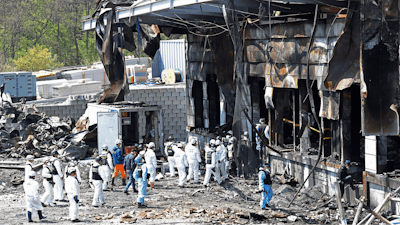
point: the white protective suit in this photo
(211, 164)
(78, 173)
(48, 195)
(72, 189)
(57, 178)
(181, 164)
(31, 188)
(193, 156)
(106, 168)
(96, 180)
(151, 164)
(28, 169)
(221, 158)
(171, 159)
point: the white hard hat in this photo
(217, 142)
(152, 145)
(118, 141)
(71, 170)
(212, 142)
(32, 174)
(180, 145)
(193, 141)
(29, 157)
(104, 147)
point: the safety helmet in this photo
(140, 147)
(266, 165)
(217, 142)
(170, 138)
(54, 152)
(246, 133)
(32, 174)
(193, 141)
(262, 120)
(230, 132)
(104, 147)
(118, 141)
(218, 137)
(151, 145)
(29, 157)
(180, 145)
(212, 142)
(71, 170)
(348, 162)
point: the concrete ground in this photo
(234, 202)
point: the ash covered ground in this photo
(234, 202)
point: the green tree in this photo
(36, 58)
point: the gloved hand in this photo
(76, 199)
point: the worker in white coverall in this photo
(96, 181)
(181, 164)
(169, 152)
(31, 188)
(73, 164)
(28, 166)
(193, 156)
(140, 174)
(106, 166)
(211, 163)
(55, 170)
(151, 163)
(48, 195)
(72, 189)
(221, 158)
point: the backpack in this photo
(267, 179)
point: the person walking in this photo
(118, 162)
(151, 163)
(57, 176)
(130, 164)
(181, 164)
(48, 183)
(194, 159)
(106, 166)
(31, 188)
(169, 152)
(265, 182)
(140, 174)
(96, 180)
(72, 189)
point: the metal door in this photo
(108, 129)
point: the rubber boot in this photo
(152, 185)
(30, 216)
(112, 181)
(124, 182)
(41, 215)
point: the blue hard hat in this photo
(348, 161)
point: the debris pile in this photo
(26, 131)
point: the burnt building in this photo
(324, 74)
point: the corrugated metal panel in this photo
(172, 54)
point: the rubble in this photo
(26, 131)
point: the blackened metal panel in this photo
(330, 104)
(222, 49)
(345, 63)
(198, 54)
(198, 73)
(289, 50)
(379, 66)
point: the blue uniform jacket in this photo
(117, 156)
